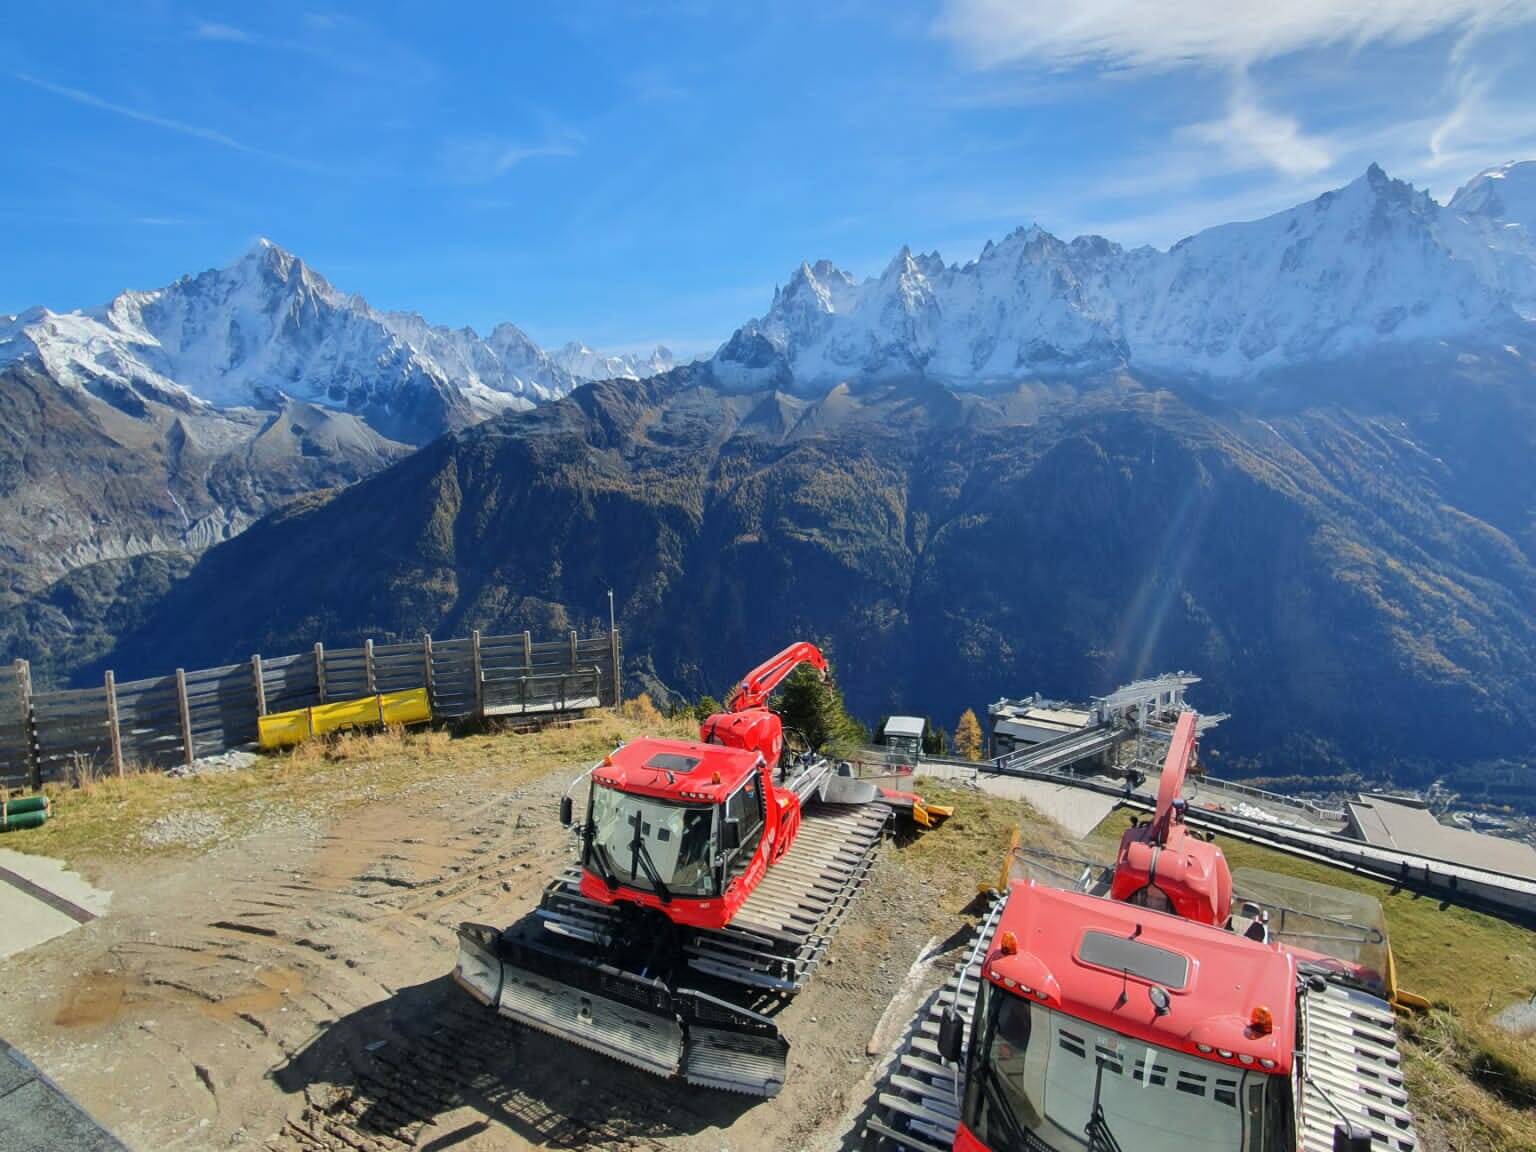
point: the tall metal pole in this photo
(611, 628)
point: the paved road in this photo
(36, 1116)
(1075, 809)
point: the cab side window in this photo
(745, 806)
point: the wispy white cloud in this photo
(182, 127)
(652, 85)
(480, 159)
(1168, 33)
(1251, 136)
(1471, 90)
(212, 30)
(346, 44)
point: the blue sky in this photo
(624, 173)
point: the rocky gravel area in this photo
(285, 986)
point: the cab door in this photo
(745, 812)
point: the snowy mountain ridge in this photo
(1374, 262)
(267, 326)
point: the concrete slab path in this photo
(40, 899)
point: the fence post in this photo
(29, 723)
(188, 751)
(320, 670)
(259, 682)
(613, 660)
(116, 733)
(527, 654)
(426, 665)
(474, 660)
(573, 650)
(368, 666)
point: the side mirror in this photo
(951, 1036)
(730, 835)
(1347, 1138)
(565, 811)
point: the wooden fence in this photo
(169, 720)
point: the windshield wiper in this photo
(991, 1083)
(598, 855)
(641, 858)
(1100, 1138)
(643, 854)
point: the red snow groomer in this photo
(711, 876)
(1147, 1011)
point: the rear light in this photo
(1266, 1062)
(1204, 1047)
(1245, 1058)
(1223, 1053)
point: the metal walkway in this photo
(1062, 752)
(1352, 1071)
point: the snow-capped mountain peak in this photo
(585, 364)
(1375, 260)
(1506, 193)
(268, 326)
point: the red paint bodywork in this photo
(1192, 873)
(746, 739)
(719, 772)
(1228, 976)
(1211, 1017)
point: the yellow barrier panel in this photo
(325, 718)
(405, 707)
(283, 729)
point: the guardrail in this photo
(1272, 798)
(180, 717)
(1503, 894)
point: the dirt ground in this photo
(288, 988)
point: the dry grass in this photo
(966, 852)
(107, 817)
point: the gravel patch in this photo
(232, 761)
(183, 828)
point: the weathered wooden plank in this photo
(202, 675)
(283, 666)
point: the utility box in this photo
(903, 735)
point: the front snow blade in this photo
(646, 1040)
(736, 1061)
